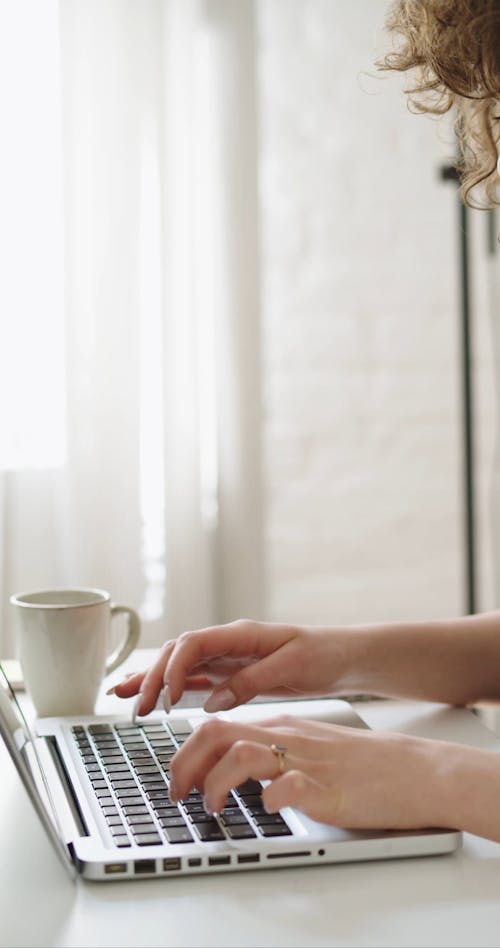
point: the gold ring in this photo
(279, 751)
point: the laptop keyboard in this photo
(128, 768)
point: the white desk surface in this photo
(451, 900)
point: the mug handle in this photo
(130, 641)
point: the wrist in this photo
(350, 656)
(468, 788)
(365, 661)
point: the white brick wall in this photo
(360, 329)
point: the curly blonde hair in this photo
(453, 46)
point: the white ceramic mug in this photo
(64, 640)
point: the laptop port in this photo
(144, 866)
(113, 868)
(194, 861)
(288, 855)
(171, 864)
(249, 857)
(219, 860)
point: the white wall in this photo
(360, 330)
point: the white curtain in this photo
(130, 409)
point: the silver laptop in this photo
(100, 788)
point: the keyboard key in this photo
(121, 841)
(180, 727)
(177, 834)
(250, 786)
(105, 799)
(128, 784)
(129, 793)
(167, 811)
(236, 818)
(240, 831)
(148, 839)
(269, 819)
(89, 759)
(276, 829)
(133, 802)
(257, 811)
(149, 780)
(147, 826)
(209, 831)
(172, 821)
(194, 808)
(140, 754)
(199, 817)
(156, 786)
(155, 795)
(251, 800)
(138, 818)
(135, 810)
(110, 763)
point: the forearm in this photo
(454, 661)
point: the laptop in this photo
(100, 788)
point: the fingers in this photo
(153, 681)
(251, 658)
(242, 643)
(221, 755)
(146, 684)
(199, 756)
(245, 759)
(258, 678)
(189, 671)
(200, 648)
(129, 686)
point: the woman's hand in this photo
(337, 775)
(243, 659)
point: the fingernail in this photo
(135, 709)
(124, 681)
(172, 792)
(167, 704)
(220, 701)
(208, 808)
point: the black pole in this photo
(449, 173)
